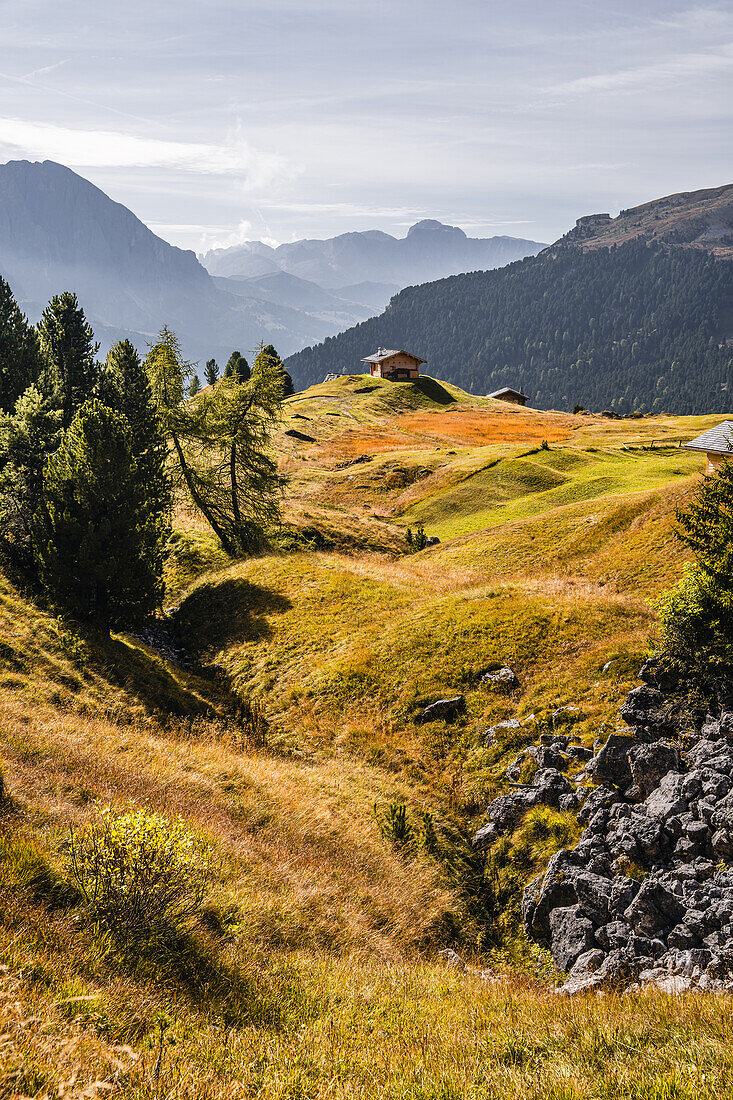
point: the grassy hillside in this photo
(313, 967)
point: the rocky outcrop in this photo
(447, 709)
(646, 896)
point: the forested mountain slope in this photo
(639, 327)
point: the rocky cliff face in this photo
(646, 896)
(692, 219)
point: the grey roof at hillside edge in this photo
(387, 353)
(507, 389)
(717, 440)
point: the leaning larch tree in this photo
(221, 443)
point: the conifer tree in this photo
(222, 444)
(268, 355)
(194, 386)
(20, 358)
(697, 615)
(237, 368)
(238, 473)
(706, 526)
(28, 436)
(211, 371)
(69, 352)
(125, 387)
(99, 540)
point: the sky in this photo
(218, 121)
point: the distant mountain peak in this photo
(431, 250)
(430, 225)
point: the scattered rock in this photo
(491, 733)
(501, 677)
(571, 935)
(447, 709)
(451, 958)
(612, 762)
(563, 716)
(657, 675)
(649, 764)
(644, 709)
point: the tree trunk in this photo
(234, 488)
(200, 502)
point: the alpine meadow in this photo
(366, 563)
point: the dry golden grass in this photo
(358, 1030)
(314, 974)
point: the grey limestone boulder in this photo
(571, 935)
(504, 677)
(612, 762)
(645, 708)
(654, 909)
(648, 765)
(447, 709)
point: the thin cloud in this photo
(109, 149)
(45, 70)
(674, 69)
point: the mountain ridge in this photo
(58, 231)
(430, 250)
(635, 325)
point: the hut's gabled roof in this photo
(506, 392)
(717, 440)
(389, 353)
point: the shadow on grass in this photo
(215, 614)
(228, 983)
(155, 684)
(434, 391)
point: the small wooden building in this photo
(397, 366)
(716, 443)
(510, 395)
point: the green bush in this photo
(697, 615)
(141, 875)
(417, 541)
(697, 625)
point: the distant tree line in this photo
(92, 456)
(640, 327)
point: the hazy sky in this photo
(223, 120)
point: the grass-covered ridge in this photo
(313, 967)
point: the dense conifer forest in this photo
(640, 327)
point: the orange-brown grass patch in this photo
(484, 426)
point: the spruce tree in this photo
(267, 354)
(706, 526)
(211, 371)
(20, 358)
(124, 386)
(697, 616)
(28, 436)
(237, 368)
(99, 540)
(69, 352)
(194, 386)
